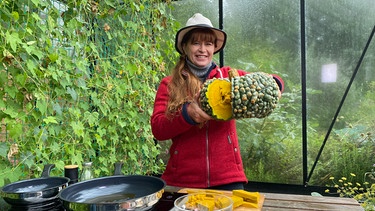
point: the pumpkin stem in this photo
(233, 73)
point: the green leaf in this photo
(29, 30)
(11, 90)
(81, 83)
(3, 149)
(31, 66)
(78, 128)
(21, 79)
(36, 17)
(15, 15)
(145, 149)
(57, 108)
(37, 53)
(41, 104)
(59, 163)
(31, 42)
(53, 57)
(13, 40)
(28, 159)
(2, 104)
(131, 68)
(11, 174)
(110, 3)
(3, 77)
(76, 158)
(36, 2)
(15, 129)
(135, 46)
(92, 118)
(93, 48)
(72, 93)
(50, 119)
(11, 112)
(55, 147)
(132, 155)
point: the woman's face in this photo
(200, 51)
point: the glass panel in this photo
(264, 35)
(183, 10)
(337, 32)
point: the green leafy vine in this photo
(78, 83)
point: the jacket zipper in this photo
(207, 158)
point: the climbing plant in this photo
(78, 83)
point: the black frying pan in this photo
(114, 193)
(34, 191)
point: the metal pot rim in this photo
(142, 202)
(5, 188)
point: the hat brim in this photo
(220, 42)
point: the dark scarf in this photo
(200, 72)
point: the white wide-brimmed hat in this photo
(199, 21)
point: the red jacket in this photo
(199, 157)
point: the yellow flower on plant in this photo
(351, 174)
(327, 191)
(340, 180)
(332, 178)
(343, 178)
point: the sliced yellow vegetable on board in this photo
(237, 201)
(247, 196)
(250, 204)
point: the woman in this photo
(204, 152)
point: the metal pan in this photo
(34, 191)
(114, 193)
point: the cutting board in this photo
(228, 193)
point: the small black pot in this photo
(34, 191)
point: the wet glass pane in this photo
(337, 33)
(183, 10)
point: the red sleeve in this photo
(162, 127)
(279, 82)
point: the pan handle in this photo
(118, 168)
(47, 170)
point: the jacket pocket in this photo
(174, 157)
(233, 142)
